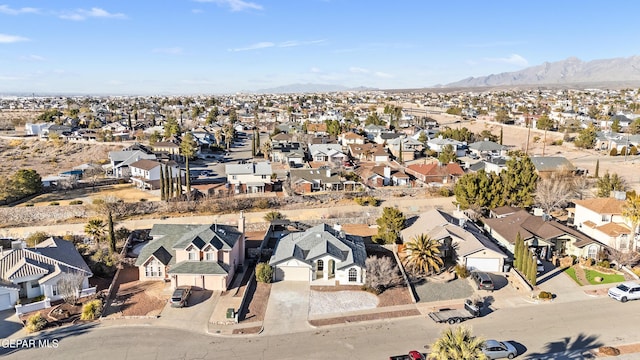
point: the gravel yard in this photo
(325, 302)
(432, 291)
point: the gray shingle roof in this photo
(552, 163)
(169, 237)
(486, 146)
(319, 241)
(260, 168)
(198, 268)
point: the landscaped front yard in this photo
(587, 276)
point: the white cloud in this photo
(8, 39)
(32, 58)
(256, 46)
(315, 70)
(170, 51)
(358, 70)
(234, 5)
(514, 59)
(82, 14)
(5, 9)
(381, 74)
(292, 43)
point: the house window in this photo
(353, 275)
(605, 218)
(54, 290)
(210, 256)
(264, 176)
(193, 255)
(593, 252)
(35, 284)
(234, 177)
(320, 265)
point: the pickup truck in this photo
(454, 316)
(413, 355)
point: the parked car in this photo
(628, 290)
(494, 349)
(413, 355)
(483, 280)
(180, 296)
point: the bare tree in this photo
(69, 286)
(622, 258)
(67, 183)
(581, 186)
(382, 273)
(554, 192)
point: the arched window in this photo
(353, 275)
(320, 265)
(593, 252)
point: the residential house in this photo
(385, 137)
(438, 144)
(281, 139)
(372, 131)
(205, 256)
(548, 165)
(602, 219)
(545, 236)
(460, 240)
(317, 129)
(168, 148)
(492, 165)
(320, 255)
(327, 153)
(120, 161)
(435, 173)
(487, 149)
(249, 178)
(310, 180)
(145, 173)
(411, 148)
(382, 175)
(37, 271)
(368, 152)
(288, 153)
(351, 138)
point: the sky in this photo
(142, 47)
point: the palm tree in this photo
(229, 133)
(457, 344)
(95, 228)
(274, 215)
(266, 149)
(631, 212)
(424, 254)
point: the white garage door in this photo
(292, 273)
(484, 264)
(5, 301)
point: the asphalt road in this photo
(543, 331)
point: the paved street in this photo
(544, 331)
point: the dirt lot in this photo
(144, 298)
(124, 192)
(47, 157)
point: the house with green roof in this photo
(205, 256)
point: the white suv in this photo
(628, 290)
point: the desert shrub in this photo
(613, 152)
(636, 270)
(28, 205)
(262, 203)
(536, 139)
(591, 262)
(143, 200)
(75, 202)
(36, 238)
(462, 271)
(609, 351)
(367, 201)
(545, 295)
(633, 150)
(98, 202)
(604, 263)
(274, 215)
(575, 258)
(360, 201)
(264, 273)
(557, 142)
(35, 323)
(54, 203)
(444, 191)
(91, 310)
(39, 298)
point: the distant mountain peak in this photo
(571, 71)
(309, 88)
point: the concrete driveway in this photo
(193, 317)
(10, 326)
(288, 308)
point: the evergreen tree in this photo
(253, 145)
(526, 263)
(597, 175)
(400, 160)
(163, 195)
(533, 271)
(112, 234)
(167, 184)
(519, 180)
(516, 253)
(501, 134)
(172, 192)
(390, 224)
(179, 187)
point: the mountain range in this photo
(619, 72)
(309, 88)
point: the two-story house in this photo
(327, 153)
(368, 152)
(410, 148)
(311, 180)
(145, 173)
(351, 138)
(120, 161)
(205, 256)
(249, 177)
(601, 219)
(435, 173)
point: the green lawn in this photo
(572, 274)
(607, 278)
